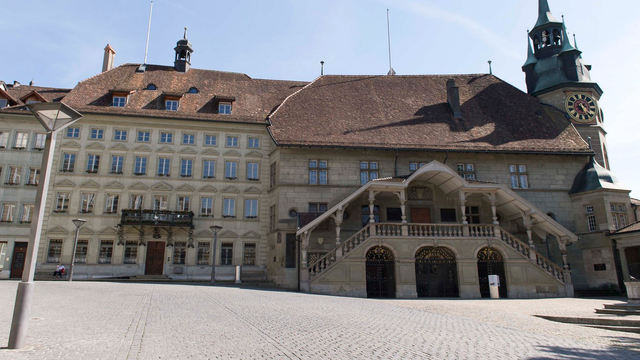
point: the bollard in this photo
(238, 273)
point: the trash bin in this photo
(494, 284)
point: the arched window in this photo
(152, 87)
(557, 39)
(193, 90)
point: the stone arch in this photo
(436, 272)
(491, 262)
(380, 272)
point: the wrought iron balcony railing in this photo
(157, 218)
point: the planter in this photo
(633, 291)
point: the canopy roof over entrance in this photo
(510, 204)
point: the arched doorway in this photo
(381, 281)
(436, 272)
(491, 262)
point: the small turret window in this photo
(152, 87)
(193, 90)
(557, 39)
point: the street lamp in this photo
(215, 229)
(54, 117)
(78, 223)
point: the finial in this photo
(490, 70)
(575, 43)
(589, 141)
(562, 18)
(185, 33)
(321, 68)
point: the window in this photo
(368, 171)
(93, 164)
(3, 103)
(272, 175)
(130, 252)
(229, 208)
(252, 171)
(272, 218)
(188, 139)
(619, 215)
(140, 167)
(27, 214)
(413, 166)
(253, 143)
(81, 252)
(34, 177)
(473, 214)
(232, 141)
(186, 167)
(69, 162)
(164, 165)
(226, 254)
(249, 256)
(251, 208)
(96, 134)
(55, 249)
(193, 90)
(184, 203)
(209, 169)
(171, 105)
(22, 139)
(317, 207)
(230, 170)
(467, 171)
(86, 205)
(15, 174)
(180, 252)
(160, 202)
(210, 140)
(112, 203)
(117, 162)
(448, 215)
(519, 177)
(39, 142)
(136, 201)
(318, 172)
(7, 212)
(120, 135)
(591, 218)
(62, 202)
(119, 101)
(144, 136)
(224, 108)
(4, 139)
(152, 86)
(204, 251)
(166, 138)
(73, 132)
(106, 252)
(206, 206)
(366, 211)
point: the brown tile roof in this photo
(411, 112)
(19, 94)
(254, 98)
(627, 229)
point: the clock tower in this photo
(557, 75)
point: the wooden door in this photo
(420, 215)
(155, 258)
(17, 261)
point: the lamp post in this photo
(215, 229)
(78, 223)
(54, 117)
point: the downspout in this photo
(395, 171)
(446, 157)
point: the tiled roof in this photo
(18, 94)
(627, 229)
(254, 98)
(411, 112)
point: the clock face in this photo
(581, 107)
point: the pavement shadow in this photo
(629, 348)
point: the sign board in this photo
(494, 280)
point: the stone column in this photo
(338, 217)
(492, 198)
(372, 198)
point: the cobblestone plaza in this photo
(104, 320)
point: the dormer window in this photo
(119, 101)
(171, 105)
(224, 108)
(152, 87)
(32, 102)
(3, 103)
(193, 90)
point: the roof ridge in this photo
(287, 98)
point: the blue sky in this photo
(58, 43)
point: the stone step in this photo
(622, 306)
(617, 328)
(619, 312)
(603, 321)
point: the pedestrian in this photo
(60, 269)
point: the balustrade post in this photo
(463, 206)
(492, 198)
(338, 217)
(372, 198)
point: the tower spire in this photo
(545, 16)
(566, 44)
(531, 58)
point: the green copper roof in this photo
(531, 59)
(544, 14)
(566, 43)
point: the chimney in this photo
(109, 56)
(16, 83)
(453, 98)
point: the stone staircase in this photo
(620, 309)
(439, 231)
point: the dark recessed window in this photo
(448, 215)
(193, 90)
(152, 87)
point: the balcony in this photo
(157, 218)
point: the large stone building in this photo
(379, 186)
